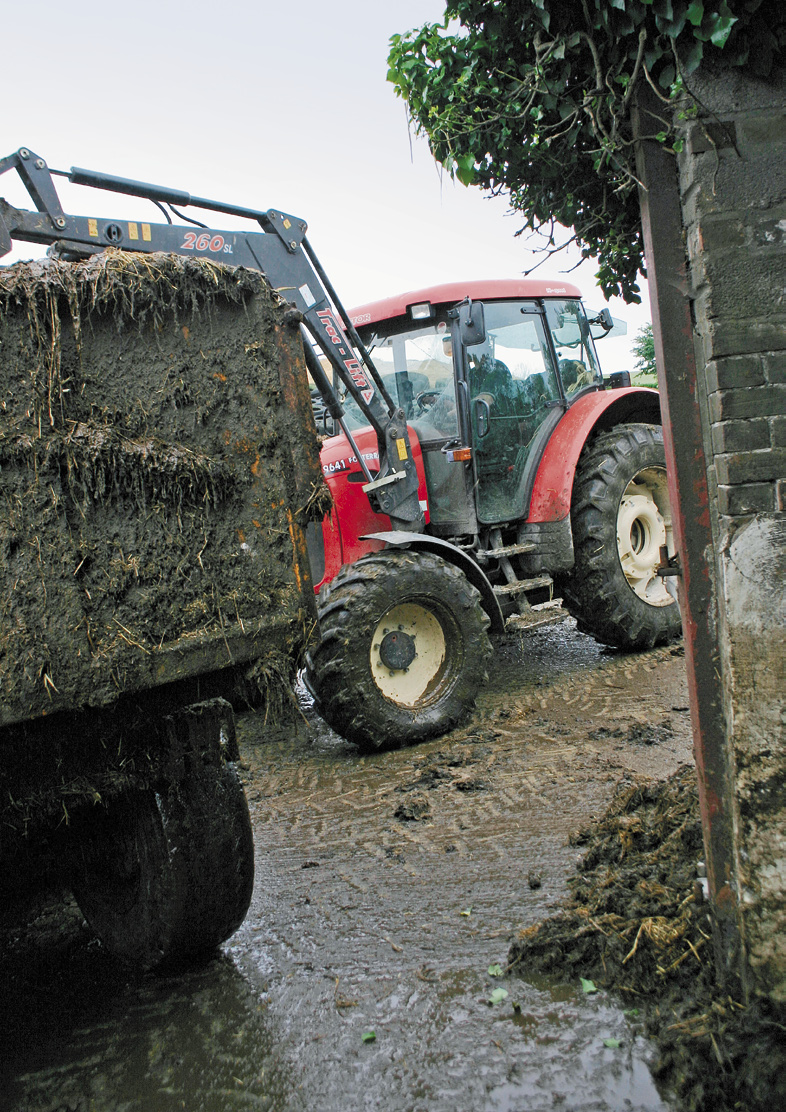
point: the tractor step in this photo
(522, 585)
(508, 550)
(548, 613)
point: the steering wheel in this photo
(425, 399)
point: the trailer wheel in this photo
(404, 649)
(621, 516)
(163, 877)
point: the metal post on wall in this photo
(670, 297)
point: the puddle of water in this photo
(227, 1037)
(200, 1040)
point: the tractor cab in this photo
(483, 372)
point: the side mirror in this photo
(604, 324)
(472, 326)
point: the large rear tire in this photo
(404, 649)
(164, 876)
(621, 516)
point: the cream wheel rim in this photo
(643, 527)
(408, 682)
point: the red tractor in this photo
(535, 476)
(482, 464)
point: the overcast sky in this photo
(267, 105)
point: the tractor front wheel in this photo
(621, 516)
(404, 649)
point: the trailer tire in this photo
(164, 876)
(378, 617)
(620, 516)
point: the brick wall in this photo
(732, 184)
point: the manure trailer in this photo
(158, 466)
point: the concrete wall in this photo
(732, 189)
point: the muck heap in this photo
(158, 466)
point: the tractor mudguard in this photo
(553, 486)
(398, 538)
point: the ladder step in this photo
(549, 614)
(524, 585)
(509, 550)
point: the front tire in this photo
(621, 516)
(404, 649)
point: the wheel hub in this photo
(397, 649)
(641, 532)
(408, 652)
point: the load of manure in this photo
(157, 457)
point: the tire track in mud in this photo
(516, 744)
(505, 791)
(364, 919)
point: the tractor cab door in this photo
(416, 365)
(515, 402)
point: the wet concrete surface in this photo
(388, 889)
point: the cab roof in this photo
(452, 292)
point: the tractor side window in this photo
(578, 364)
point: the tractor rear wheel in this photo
(404, 649)
(621, 516)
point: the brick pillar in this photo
(719, 289)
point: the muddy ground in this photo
(389, 889)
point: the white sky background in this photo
(266, 105)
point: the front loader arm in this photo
(280, 251)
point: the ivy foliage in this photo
(531, 99)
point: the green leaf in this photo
(498, 995)
(368, 1036)
(722, 30)
(588, 986)
(466, 912)
(695, 13)
(496, 970)
(465, 169)
(666, 77)
(692, 54)
(612, 1044)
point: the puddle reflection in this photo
(198, 1040)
